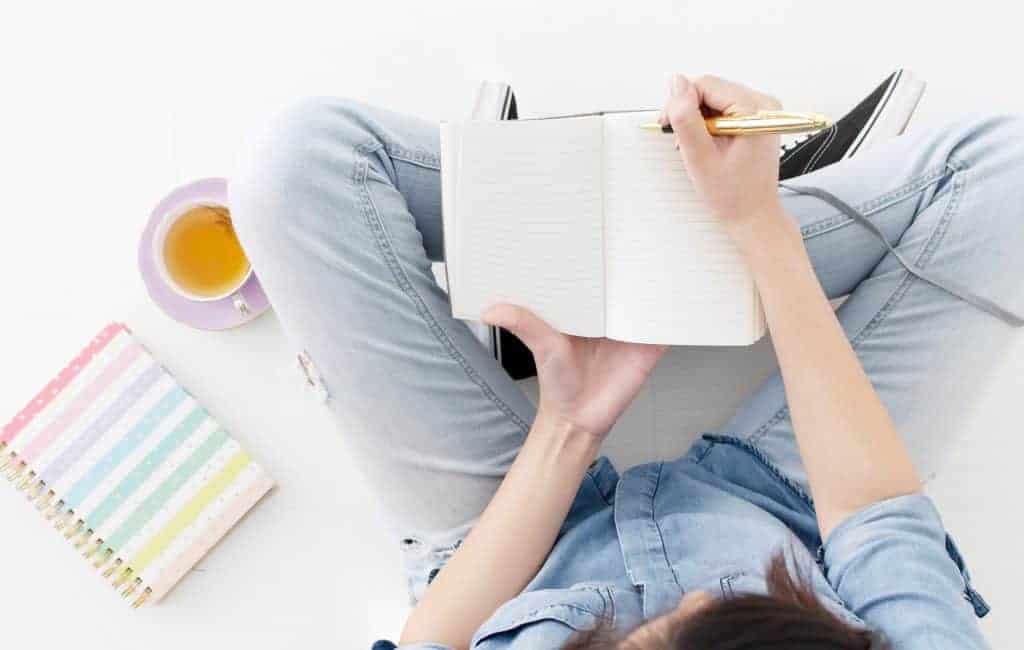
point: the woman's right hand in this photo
(853, 454)
(737, 175)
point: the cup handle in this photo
(238, 300)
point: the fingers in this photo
(768, 102)
(731, 98)
(683, 112)
(540, 337)
(727, 97)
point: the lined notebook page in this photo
(673, 275)
(528, 221)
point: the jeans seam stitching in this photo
(706, 451)
(957, 181)
(597, 486)
(611, 601)
(657, 527)
(951, 167)
(519, 620)
(751, 448)
(422, 159)
(376, 226)
(934, 239)
(872, 206)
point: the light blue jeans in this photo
(338, 206)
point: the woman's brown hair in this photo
(789, 617)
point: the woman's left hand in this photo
(584, 382)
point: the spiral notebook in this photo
(129, 466)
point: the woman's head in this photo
(790, 616)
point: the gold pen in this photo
(760, 122)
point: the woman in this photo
(527, 541)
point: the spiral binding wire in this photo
(102, 557)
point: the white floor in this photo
(106, 107)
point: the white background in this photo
(107, 107)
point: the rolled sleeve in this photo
(891, 566)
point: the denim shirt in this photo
(631, 547)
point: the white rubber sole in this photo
(892, 114)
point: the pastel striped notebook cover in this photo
(129, 466)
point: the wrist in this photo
(764, 231)
(563, 437)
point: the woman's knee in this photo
(981, 221)
(992, 143)
(998, 169)
(308, 149)
(987, 154)
(978, 141)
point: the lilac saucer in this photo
(237, 309)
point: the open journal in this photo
(593, 224)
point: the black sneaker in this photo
(882, 115)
